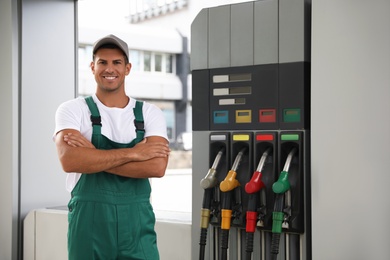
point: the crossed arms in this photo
(146, 159)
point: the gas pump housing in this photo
(250, 67)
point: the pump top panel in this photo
(251, 66)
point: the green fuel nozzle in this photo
(282, 184)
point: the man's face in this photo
(110, 69)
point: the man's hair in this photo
(110, 46)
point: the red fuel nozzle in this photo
(256, 184)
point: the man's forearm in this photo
(147, 169)
(78, 154)
(90, 160)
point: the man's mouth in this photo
(109, 77)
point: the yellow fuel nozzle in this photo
(230, 182)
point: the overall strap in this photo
(139, 121)
(95, 119)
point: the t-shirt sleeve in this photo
(68, 116)
(154, 120)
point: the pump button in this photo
(267, 115)
(221, 117)
(292, 115)
(243, 116)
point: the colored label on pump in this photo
(292, 115)
(264, 137)
(218, 137)
(241, 137)
(289, 137)
(267, 115)
(221, 117)
(243, 116)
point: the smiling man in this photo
(109, 145)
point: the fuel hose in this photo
(208, 183)
(226, 187)
(280, 187)
(252, 188)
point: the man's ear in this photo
(92, 66)
(128, 68)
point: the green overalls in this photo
(110, 217)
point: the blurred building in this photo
(158, 35)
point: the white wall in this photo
(8, 128)
(48, 79)
(350, 129)
(38, 73)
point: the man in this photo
(110, 144)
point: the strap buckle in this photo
(96, 120)
(139, 125)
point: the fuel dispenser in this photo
(251, 122)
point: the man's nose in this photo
(109, 68)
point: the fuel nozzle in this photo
(207, 183)
(252, 187)
(283, 184)
(227, 186)
(256, 184)
(280, 187)
(230, 182)
(210, 180)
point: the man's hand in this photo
(77, 140)
(145, 150)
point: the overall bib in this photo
(110, 216)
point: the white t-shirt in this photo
(117, 123)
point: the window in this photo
(158, 62)
(147, 61)
(146, 9)
(85, 56)
(169, 63)
(135, 59)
